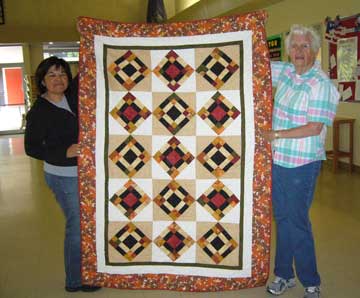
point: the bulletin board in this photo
(343, 36)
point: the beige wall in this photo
(182, 5)
(43, 20)
(170, 8)
(205, 9)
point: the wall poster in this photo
(343, 35)
(274, 44)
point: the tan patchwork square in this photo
(218, 244)
(129, 157)
(174, 200)
(129, 242)
(218, 157)
(219, 68)
(174, 114)
(128, 70)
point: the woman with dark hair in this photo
(51, 135)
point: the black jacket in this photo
(51, 130)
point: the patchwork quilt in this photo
(174, 177)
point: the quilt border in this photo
(88, 28)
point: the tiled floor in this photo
(31, 229)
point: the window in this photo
(69, 51)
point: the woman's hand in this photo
(268, 135)
(73, 151)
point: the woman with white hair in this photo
(305, 103)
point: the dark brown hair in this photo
(43, 68)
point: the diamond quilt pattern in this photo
(215, 155)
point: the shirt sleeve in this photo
(35, 132)
(276, 69)
(323, 102)
(72, 94)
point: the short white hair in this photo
(302, 30)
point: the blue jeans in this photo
(292, 195)
(67, 195)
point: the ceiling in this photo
(39, 21)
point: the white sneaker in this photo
(280, 285)
(312, 292)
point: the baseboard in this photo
(11, 132)
(342, 165)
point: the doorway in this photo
(12, 86)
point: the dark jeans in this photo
(67, 195)
(292, 195)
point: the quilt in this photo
(174, 177)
